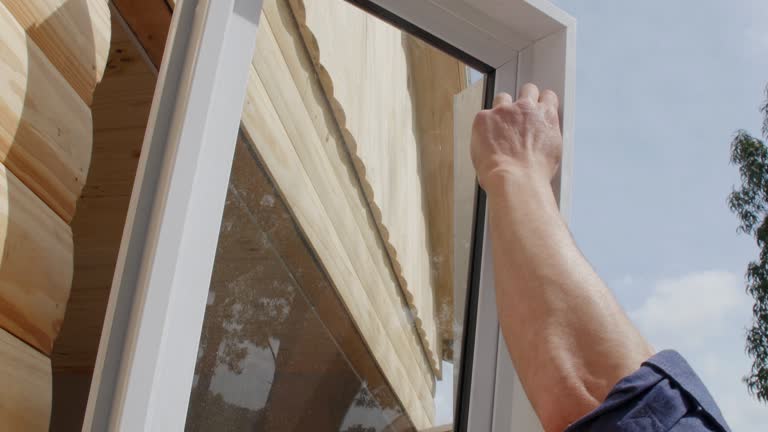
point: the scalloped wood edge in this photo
(410, 261)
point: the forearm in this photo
(567, 336)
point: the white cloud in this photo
(703, 315)
(697, 304)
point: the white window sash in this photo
(146, 358)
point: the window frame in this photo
(157, 303)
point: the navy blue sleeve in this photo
(665, 394)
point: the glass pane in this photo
(336, 301)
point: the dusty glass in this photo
(337, 295)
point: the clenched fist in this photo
(517, 138)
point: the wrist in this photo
(500, 182)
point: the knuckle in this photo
(551, 116)
(526, 104)
(480, 119)
(505, 110)
(550, 112)
(549, 93)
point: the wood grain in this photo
(150, 21)
(36, 265)
(73, 34)
(120, 107)
(435, 78)
(120, 113)
(45, 127)
(363, 68)
(25, 402)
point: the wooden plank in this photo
(363, 68)
(320, 148)
(36, 265)
(149, 20)
(262, 124)
(25, 402)
(45, 127)
(74, 35)
(435, 78)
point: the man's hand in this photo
(517, 138)
(567, 336)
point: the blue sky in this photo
(661, 88)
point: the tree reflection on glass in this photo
(249, 302)
(267, 361)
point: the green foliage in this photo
(750, 204)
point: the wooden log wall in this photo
(36, 266)
(26, 394)
(52, 55)
(71, 34)
(120, 108)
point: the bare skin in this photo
(568, 338)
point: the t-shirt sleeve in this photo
(665, 394)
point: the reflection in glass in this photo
(266, 361)
(337, 296)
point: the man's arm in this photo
(568, 338)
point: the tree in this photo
(750, 204)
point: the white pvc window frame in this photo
(149, 343)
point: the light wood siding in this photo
(73, 34)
